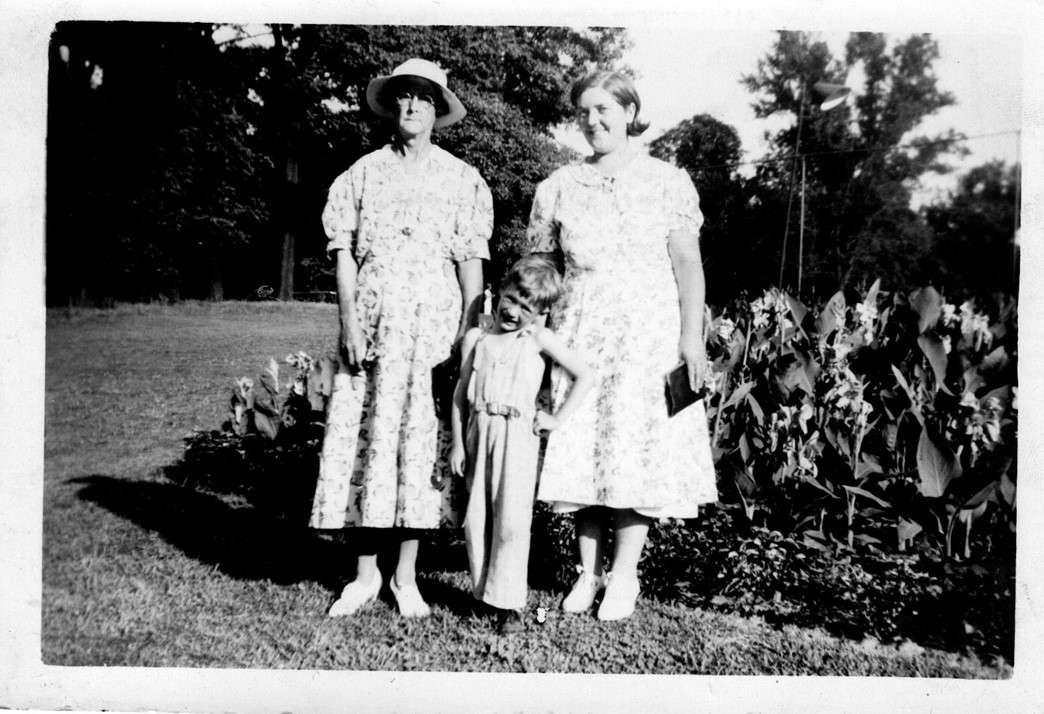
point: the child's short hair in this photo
(536, 279)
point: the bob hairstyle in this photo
(620, 86)
(395, 85)
(536, 279)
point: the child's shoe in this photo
(409, 600)
(620, 596)
(584, 591)
(509, 622)
(354, 596)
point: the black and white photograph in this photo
(443, 358)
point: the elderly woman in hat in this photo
(408, 225)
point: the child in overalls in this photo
(496, 429)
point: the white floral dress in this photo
(384, 447)
(620, 312)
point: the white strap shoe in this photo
(621, 593)
(354, 596)
(585, 589)
(409, 599)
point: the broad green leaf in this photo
(832, 315)
(980, 497)
(744, 448)
(907, 529)
(995, 361)
(328, 367)
(825, 488)
(933, 349)
(903, 384)
(737, 394)
(867, 465)
(736, 347)
(1006, 488)
(1001, 394)
(972, 380)
(756, 408)
(273, 371)
(891, 434)
(856, 491)
(265, 424)
(927, 303)
(908, 390)
(315, 391)
(269, 385)
(870, 299)
(797, 309)
(936, 466)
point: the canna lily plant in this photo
(875, 422)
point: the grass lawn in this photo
(140, 571)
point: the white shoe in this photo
(354, 596)
(584, 591)
(409, 599)
(621, 593)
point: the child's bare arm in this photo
(583, 378)
(460, 395)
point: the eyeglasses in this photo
(421, 98)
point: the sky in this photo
(684, 71)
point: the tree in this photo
(974, 249)
(154, 171)
(201, 170)
(860, 159)
(710, 151)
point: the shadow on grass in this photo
(263, 541)
(242, 541)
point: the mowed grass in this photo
(139, 571)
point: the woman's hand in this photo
(353, 343)
(544, 422)
(457, 458)
(693, 353)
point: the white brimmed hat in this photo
(425, 70)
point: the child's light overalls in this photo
(502, 465)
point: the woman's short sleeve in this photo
(341, 214)
(684, 204)
(542, 233)
(474, 224)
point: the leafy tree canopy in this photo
(861, 159)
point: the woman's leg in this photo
(404, 583)
(631, 530)
(621, 590)
(367, 583)
(591, 531)
(406, 567)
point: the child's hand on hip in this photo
(544, 422)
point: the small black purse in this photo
(678, 391)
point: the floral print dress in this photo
(384, 450)
(620, 312)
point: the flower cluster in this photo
(982, 423)
(867, 317)
(303, 365)
(975, 326)
(844, 400)
(770, 309)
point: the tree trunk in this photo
(286, 275)
(217, 282)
